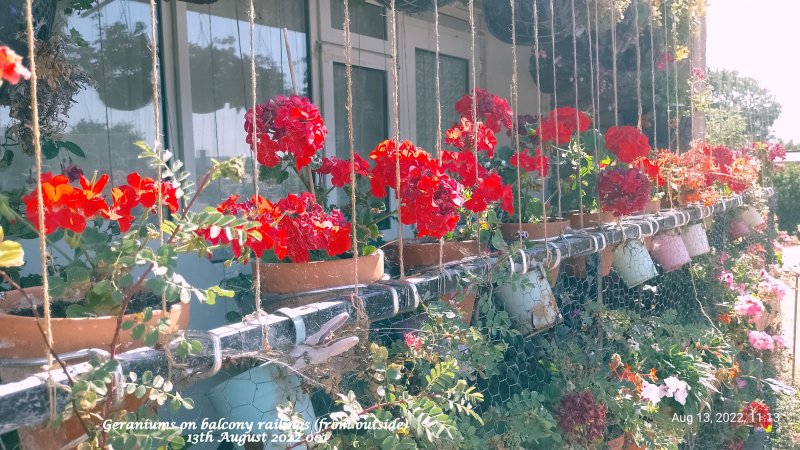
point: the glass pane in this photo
(109, 114)
(365, 19)
(370, 113)
(219, 60)
(454, 83)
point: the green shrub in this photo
(787, 190)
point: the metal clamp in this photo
(216, 352)
(299, 324)
(394, 294)
(408, 284)
(524, 262)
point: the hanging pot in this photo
(497, 15)
(633, 264)
(696, 240)
(414, 6)
(738, 229)
(12, 22)
(125, 59)
(670, 252)
(532, 307)
(464, 303)
(418, 254)
(254, 397)
(752, 217)
(288, 278)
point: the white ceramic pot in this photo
(633, 263)
(253, 396)
(696, 240)
(532, 306)
(752, 217)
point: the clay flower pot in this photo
(653, 206)
(533, 307)
(696, 240)
(670, 252)
(591, 220)
(633, 264)
(418, 254)
(288, 278)
(465, 304)
(535, 231)
(738, 229)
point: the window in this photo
(219, 75)
(453, 83)
(107, 117)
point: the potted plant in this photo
(301, 244)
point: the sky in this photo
(760, 39)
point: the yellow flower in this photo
(681, 53)
(11, 254)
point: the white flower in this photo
(652, 392)
(677, 389)
(656, 347)
(633, 344)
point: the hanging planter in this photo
(288, 278)
(696, 240)
(254, 396)
(497, 15)
(752, 217)
(670, 252)
(577, 265)
(414, 6)
(12, 22)
(633, 263)
(738, 229)
(532, 307)
(419, 253)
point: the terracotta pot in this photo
(426, 254)
(652, 206)
(21, 337)
(591, 220)
(287, 278)
(465, 304)
(535, 230)
(738, 229)
(577, 265)
(670, 252)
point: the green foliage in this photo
(787, 191)
(732, 91)
(726, 126)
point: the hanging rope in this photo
(577, 105)
(515, 122)
(638, 66)
(474, 78)
(675, 72)
(614, 60)
(37, 155)
(595, 104)
(653, 78)
(251, 18)
(348, 75)
(539, 119)
(666, 70)
(396, 135)
(555, 101)
(438, 95)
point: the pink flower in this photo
(724, 256)
(653, 392)
(740, 383)
(413, 341)
(727, 278)
(749, 306)
(780, 341)
(760, 340)
(677, 389)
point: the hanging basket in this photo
(670, 252)
(532, 307)
(497, 15)
(752, 217)
(633, 264)
(414, 6)
(12, 22)
(289, 278)
(738, 229)
(254, 396)
(696, 240)
(125, 62)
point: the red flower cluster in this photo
(413, 341)
(651, 169)
(11, 68)
(623, 191)
(757, 415)
(339, 169)
(465, 166)
(776, 150)
(494, 110)
(293, 227)
(562, 124)
(68, 207)
(286, 125)
(427, 196)
(490, 190)
(531, 163)
(628, 143)
(463, 135)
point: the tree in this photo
(726, 126)
(757, 105)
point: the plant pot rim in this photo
(327, 262)
(295, 278)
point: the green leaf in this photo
(127, 325)
(140, 391)
(138, 332)
(368, 250)
(77, 274)
(151, 339)
(49, 150)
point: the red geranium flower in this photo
(623, 190)
(490, 190)
(462, 136)
(339, 169)
(562, 124)
(757, 415)
(464, 166)
(286, 125)
(413, 341)
(531, 163)
(652, 170)
(494, 110)
(11, 68)
(628, 143)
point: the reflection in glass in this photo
(454, 84)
